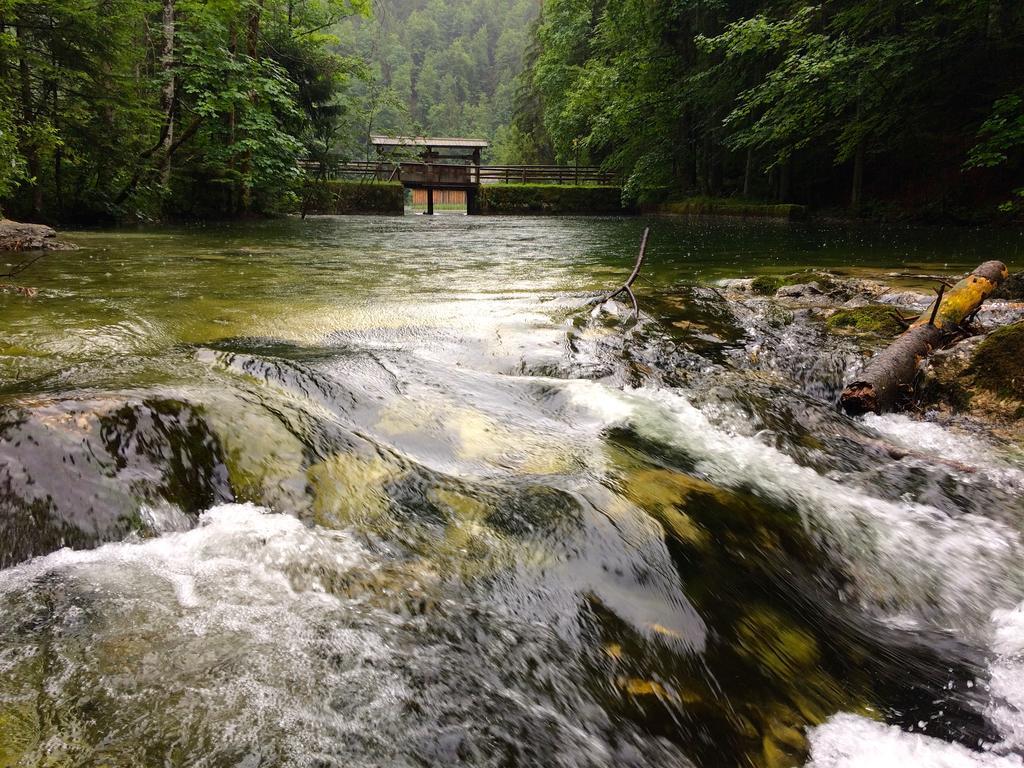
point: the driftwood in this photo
(21, 290)
(891, 372)
(627, 286)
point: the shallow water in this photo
(369, 491)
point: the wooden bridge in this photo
(426, 163)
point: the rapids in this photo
(387, 492)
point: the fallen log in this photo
(891, 372)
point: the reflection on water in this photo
(383, 492)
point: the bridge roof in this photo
(427, 141)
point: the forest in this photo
(440, 68)
(879, 106)
(122, 110)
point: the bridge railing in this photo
(487, 174)
(368, 171)
(545, 174)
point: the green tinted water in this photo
(477, 525)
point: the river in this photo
(383, 492)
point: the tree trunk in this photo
(704, 164)
(167, 93)
(748, 172)
(858, 178)
(891, 372)
(785, 171)
(28, 144)
(715, 180)
(252, 49)
(993, 26)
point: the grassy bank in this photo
(728, 206)
(550, 198)
(343, 197)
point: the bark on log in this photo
(892, 370)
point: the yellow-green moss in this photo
(874, 319)
(767, 285)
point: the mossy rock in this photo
(872, 319)
(768, 285)
(998, 363)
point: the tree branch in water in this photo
(627, 286)
(19, 268)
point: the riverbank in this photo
(730, 207)
(341, 197)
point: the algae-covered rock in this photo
(665, 494)
(981, 378)
(944, 378)
(871, 319)
(797, 284)
(998, 363)
(779, 647)
(19, 729)
(79, 473)
(767, 285)
(350, 489)
(800, 291)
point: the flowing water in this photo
(385, 492)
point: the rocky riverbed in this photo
(977, 383)
(389, 492)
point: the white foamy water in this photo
(257, 640)
(912, 563)
(903, 556)
(930, 439)
(222, 630)
(850, 741)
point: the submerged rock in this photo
(797, 284)
(80, 473)
(1012, 288)
(800, 290)
(905, 299)
(15, 236)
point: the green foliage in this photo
(818, 102)
(1001, 135)
(12, 164)
(137, 108)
